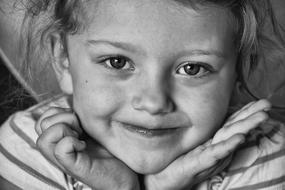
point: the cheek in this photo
(206, 106)
(95, 97)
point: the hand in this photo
(213, 156)
(87, 161)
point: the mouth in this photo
(145, 132)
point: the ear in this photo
(60, 63)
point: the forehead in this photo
(159, 21)
(145, 10)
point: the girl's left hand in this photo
(210, 158)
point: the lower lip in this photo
(148, 132)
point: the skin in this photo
(152, 90)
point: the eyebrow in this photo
(201, 52)
(121, 45)
(136, 48)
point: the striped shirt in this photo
(258, 164)
(20, 161)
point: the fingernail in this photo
(267, 109)
(267, 105)
(83, 143)
(75, 133)
(242, 140)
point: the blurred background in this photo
(13, 96)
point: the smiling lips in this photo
(148, 132)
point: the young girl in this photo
(146, 84)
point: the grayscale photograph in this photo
(142, 94)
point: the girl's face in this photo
(152, 79)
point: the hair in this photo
(44, 17)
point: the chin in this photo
(147, 169)
(148, 164)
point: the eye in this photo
(118, 63)
(194, 69)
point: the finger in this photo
(249, 109)
(241, 110)
(68, 118)
(241, 127)
(187, 169)
(48, 113)
(47, 141)
(206, 157)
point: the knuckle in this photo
(240, 137)
(225, 126)
(58, 154)
(229, 147)
(74, 120)
(206, 161)
(210, 156)
(54, 110)
(214, 160)
(225, 147)
(60, 127)
(45, 123)
(69, 140)
(38, 128)
(249, 105)
(246, 112)
(67, 131)
(264, 115)
(211, 149)
(200, 148)
(40, 143)
(51, 111)
(227, 150)
(218, 149)
(196, 167)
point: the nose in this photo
(153, 98)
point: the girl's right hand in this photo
(87, 161)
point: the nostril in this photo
(153, 105)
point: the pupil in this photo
(117, 63)
(191, 69)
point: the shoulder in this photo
(260, 162)
(20, 162)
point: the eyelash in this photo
(207, 69)
(106, 62)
